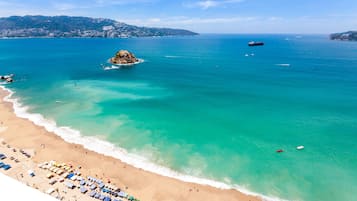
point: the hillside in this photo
(349, 35)
(66, 26)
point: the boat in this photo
(300, 147)
(279, 150)
(254, 43)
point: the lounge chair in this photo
(70, 185)
(93, 187)
(52, 181)
(6, 167)
(101, 185)
(69, 176)
(49, 175)
(83, 190)
(50, 191)
(92, 193)
(122, 194)
(107, 199)
(82, 182)
(2, 156)
(97, 195)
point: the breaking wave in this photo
(106, 148)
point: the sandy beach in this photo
(17, 133)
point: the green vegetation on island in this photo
(66, 26)
(349, 36)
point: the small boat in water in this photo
(279, 150)
(300, 147)
(254, 43)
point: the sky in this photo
(205, 16)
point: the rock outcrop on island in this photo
(7, 78)
(124, 57)
(349, 36)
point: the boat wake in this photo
(108, 149)
(284, 65)
(172, 56)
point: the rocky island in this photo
(347, 36)
(7, 78)
(124, 57)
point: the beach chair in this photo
(101, 185)
(6, 167)
(92, 193)
(83, 190)
(82, 182)
(50, 191)
(2, 156)
(93, 187)
(49, 175)
(52, 181)
(107, 199)
(60, 179)
(122, 194)
(70, 185)
(97, 195)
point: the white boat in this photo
(300, 147)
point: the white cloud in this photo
(120, 2)
(205, 4)
(187, 22)
(248, 24)
(154, 20)
(14, 8)
(64, 6)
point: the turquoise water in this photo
(202, 107)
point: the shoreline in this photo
(144, 185)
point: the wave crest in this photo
(118, 66)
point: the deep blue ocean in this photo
(207, 106)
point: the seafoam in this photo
(106, 148)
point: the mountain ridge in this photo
(78, 26)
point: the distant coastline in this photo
(78, 27)
(346, 36)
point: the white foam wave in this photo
(106, 148)
(118, 66)
(111, 67)
(284, 65)
(172, 56)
